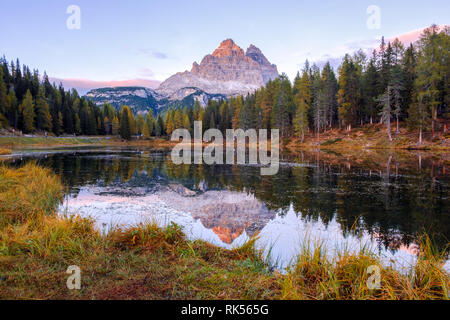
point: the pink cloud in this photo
(84, 85)
(412, 36)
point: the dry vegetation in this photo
(4, 151)
(147, 262)
(372, 137)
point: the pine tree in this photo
(77, 124)
(60, 124)
(13, 106)
(186, 122)
(178, 119)
(4, 106)
(149, 123)
(419, 114)
(126, 127)
(28, 114)
(385, 101)
(43, 117)
(140, 124)
(432, 67)
(159, 126)
(237, 106)
(169, 123)
(329, 91)
(396, 86)
(349, 92)
(370, 89)
(115, 126)
(302, 100)
(282, 110)
(409, 64)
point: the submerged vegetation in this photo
(149, 262)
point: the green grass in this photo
(149, 262)
(14, 142)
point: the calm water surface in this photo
(383, 203)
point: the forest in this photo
(394, 84)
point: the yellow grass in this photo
(148, 262)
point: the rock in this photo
(228, 70)
(269, 71)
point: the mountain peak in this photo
(228, 48)
(228, 71)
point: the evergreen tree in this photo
(13, 108)
(283, 107)
(349, 92)
(126, 121)
(43, 117)
(302, 100)
(149, 123)
(28, 114)
(115, 126)
(385, 101)
(419, 114)
(432, 68)
(370, 90)
(140, 123)
(59, 124)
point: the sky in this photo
(143, 42)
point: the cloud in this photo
(84, 85)
(367, 46)
(147, 73)
(154, 54)
(412, 36)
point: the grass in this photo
(371, 137)
(23, 142)
(8, 143)
(149, 262)
(4, 151)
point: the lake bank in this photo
(149, 262)
(372, 137)
(367, 137)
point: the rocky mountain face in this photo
(141, 100)
(227, 72)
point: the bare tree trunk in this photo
(433, 118)
(420, 135)
(388, 123)
(398, 127)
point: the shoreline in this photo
(367, 137)
(149, 262)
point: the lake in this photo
(375, 200)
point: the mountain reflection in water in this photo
(382, 200)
